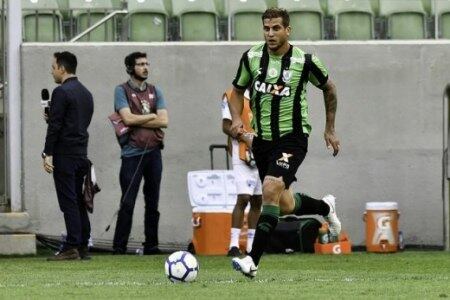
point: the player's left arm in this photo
(330, 99)
(319, 77)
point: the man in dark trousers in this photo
(142, 107)
(65, 152)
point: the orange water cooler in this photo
(211, 232)
(381, 220)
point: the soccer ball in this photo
(181, 266)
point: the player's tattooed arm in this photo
(330, 99)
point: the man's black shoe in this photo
(70, 254)
(234, 252)
(152, 250)
(119, 251)
(84, 253)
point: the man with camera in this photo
(65, 152)
(142, 108)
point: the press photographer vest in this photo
(142, 103)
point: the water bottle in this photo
(401, 241)
(323, 234)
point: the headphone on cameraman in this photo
(130, 69)
(129, 65)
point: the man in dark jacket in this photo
(65, 152)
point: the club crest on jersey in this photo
(273, 72)
(274, 89)
(287, 75)
(283, 161)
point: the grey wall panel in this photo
(388, 120)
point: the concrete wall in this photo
(389, 122)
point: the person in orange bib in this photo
(248, 184)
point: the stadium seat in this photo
(118, 4)
(63, 4)
(244, 20)
(273, 3)
(146, 21)
(442, 10)
(198, 19)
(42, 21)
(353, 19)
(375, 6)
(405, 18)
(427, 6)
(306, 19)
(324, 5)
(220, 7)
(87, 13)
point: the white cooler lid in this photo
(212, 190)
(381, 205)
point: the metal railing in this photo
(97, 24)
(446, 166)
(4, 202)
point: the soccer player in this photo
(276, 74)
(248, 184)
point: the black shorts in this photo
(281, 157)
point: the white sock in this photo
(250, 237)
(235, 232)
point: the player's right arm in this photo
(236, 105)
(227, 123)
(242, 81)
(226, 117)
(121, 105)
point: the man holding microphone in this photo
(65, 152)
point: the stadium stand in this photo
(198, 19)
(442, 10)
(406, 19)
(243, 17)
(147, 21)
(42, 21)
(211, 20)
(353, 19)
(88, 12)
(306, 19)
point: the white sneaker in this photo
(245, 265)
(333, 221)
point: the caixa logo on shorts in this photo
(283, 161)
(274, 89)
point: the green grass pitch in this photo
(405, 275)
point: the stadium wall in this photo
(389, 121)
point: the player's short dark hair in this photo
(130, 60)
(276, 12)
(67, 60)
